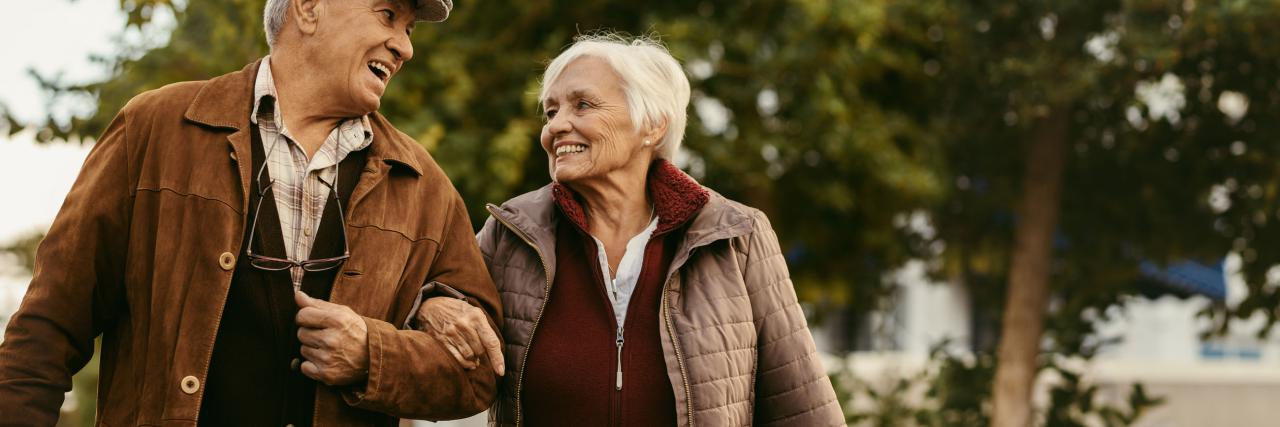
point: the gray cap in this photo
(433, 10)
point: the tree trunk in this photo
(1028, 292)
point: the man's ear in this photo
(306, 13)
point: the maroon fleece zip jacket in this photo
(571, 375)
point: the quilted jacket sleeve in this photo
(792, 388)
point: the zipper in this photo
(613, 294)
(619, 342)
(546, 294)
(675, 343)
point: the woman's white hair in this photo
(656, 88)
(273, 19)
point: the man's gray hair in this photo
(273, 19)
(655, 85)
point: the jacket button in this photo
(227, 261)
(190, 385)
(296, 364)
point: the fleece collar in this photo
(676, 198)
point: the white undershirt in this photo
(619, 288)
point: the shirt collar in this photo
(264, 90)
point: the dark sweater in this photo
(253, 377)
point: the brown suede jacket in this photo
(144, 247)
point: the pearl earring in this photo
(647, 142)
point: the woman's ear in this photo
(654, 135)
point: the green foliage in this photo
(838, 145)
(889, 406)
(961, 389)
(1073, 403)
(23, 249)
(1139, 178)
(1140, 170)
(955, 391)
(952, 391)
(844, 116)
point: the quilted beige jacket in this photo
(738, 349)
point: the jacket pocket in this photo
(200, 169)
(373, 280)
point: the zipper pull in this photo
(619, 342)
(613, 290)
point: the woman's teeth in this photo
(570, 149)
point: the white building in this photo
(1221, 381)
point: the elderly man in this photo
(252, 247)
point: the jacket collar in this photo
(676, 198)
(715, 218)
(532, 215)
(395, 148)
(226, 102)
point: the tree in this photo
(1055, 145)
(1069, 172)
(794, 106)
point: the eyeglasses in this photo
(268, 263)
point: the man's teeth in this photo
(567, 149)
(381, 68)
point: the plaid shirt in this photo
(300, 195)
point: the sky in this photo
(53, 37)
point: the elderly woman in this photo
(633, 295)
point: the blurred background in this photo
(1067, 207)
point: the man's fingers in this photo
(303, 300)
(311, 371)
(313, 355)
(312, 317)
(493, 349)
(310, 338)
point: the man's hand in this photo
(463, 329)
(334, 341)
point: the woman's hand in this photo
(463, 329)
